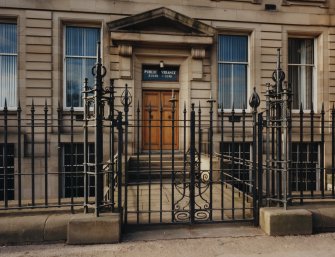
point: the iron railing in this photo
(50, 159)
(294, 146)
(171, 164)
(310, 161)
(40, 159)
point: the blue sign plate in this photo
(155, 73)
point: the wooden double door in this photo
(157, 127)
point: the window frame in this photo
(248, 63)
(98, 26)
(78, 172)
(11, 187)
(300, 165)
(14, 22)
(247, 151)
(315, 69)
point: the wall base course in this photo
(281, 222)
(37, 228)
(88, 229)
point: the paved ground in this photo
(223, 204)
(203, 241)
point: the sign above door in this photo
(156, 73)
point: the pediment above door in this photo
(161, 25)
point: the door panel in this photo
(152, 127)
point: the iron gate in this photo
(208, 179)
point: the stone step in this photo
(156, 157)
(154, 164)
(145, 175)
(141, 169)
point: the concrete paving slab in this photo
(169, 232)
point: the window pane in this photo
(10, 186)
(8, 39)
(73, 168)
(293, 78)
(305, 163)
(8, 64)
(8, 80)
(240, 86)
(301, 51)
(232, 85)
(226, 86)
(233, 48)
(232, 76)
(238, 170)
(91, 38)
(80, 44)
(300, 76)
(82, 41)
(76, 70)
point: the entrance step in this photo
(143, 168)
(156, 157)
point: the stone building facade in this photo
(206, 48)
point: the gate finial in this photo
(254, 100)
